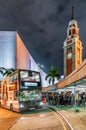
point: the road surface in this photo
(43, 120)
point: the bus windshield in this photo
(29, 79)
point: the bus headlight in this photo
(21, 105)
(41, 104)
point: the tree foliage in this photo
(6, 72)
(52, 75)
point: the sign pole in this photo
(75, 97)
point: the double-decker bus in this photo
(21, 90)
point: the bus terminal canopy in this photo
(50, 88)
(77, 77)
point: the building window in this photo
(69, 32)
(69, 49)
(74, 31)
(73, 25)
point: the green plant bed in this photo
(77, 110)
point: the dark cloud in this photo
(42, 25)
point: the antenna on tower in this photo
(72, 16)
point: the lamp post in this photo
(75, 105)
(75, 97)
(40, 65)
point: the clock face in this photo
(69, 55)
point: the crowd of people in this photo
(66, 99)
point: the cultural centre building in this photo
(14, 54)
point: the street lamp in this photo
(40, 65)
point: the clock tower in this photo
(72, 47)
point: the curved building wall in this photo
(22, 54)
(14, 54)
(24, 60)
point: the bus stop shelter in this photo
(75, 81)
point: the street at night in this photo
(15, 121)
(41, 120)
(42, 65)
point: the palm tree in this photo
(52, 75)
(6, 72)
(1, 71)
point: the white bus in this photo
(21, 90)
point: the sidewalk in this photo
(76, 119)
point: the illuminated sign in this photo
(13, 86)
(27, 84)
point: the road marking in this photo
(61, 121)
(66, 120)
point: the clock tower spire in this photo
(72, 47)
(72, 16)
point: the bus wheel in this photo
(11, 107)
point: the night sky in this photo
(42, 25)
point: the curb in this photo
(63, 117)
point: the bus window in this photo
(13, 77)
(32, 76)
(16, 95)
(28, 80)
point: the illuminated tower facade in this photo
(72, 47)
